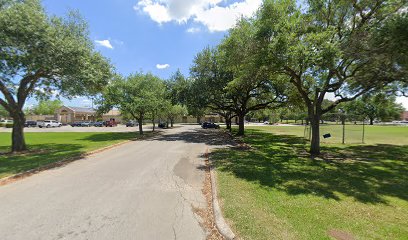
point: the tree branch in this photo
(7, 94)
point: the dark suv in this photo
(206, 125)
(132, 124)
(30, 124)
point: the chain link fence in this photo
(340, 128)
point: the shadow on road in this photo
(207, 136)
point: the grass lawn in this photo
(49, 147)
(275, 191)
(374, 134)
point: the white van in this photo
(6, 121)
(49, 123)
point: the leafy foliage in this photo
(137, 95)
(336, 47)
(379, 106)
(40, 55)
(46, 107)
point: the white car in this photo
(6, 121)
(49, 123)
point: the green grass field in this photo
(275, 191)
(375, 134)
(47, 148)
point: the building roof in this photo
(82, 109)
(113, 112)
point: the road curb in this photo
(220, 222)
(22, 175)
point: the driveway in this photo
(140, 190)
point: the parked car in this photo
(266, 122)
(86, 124)
(132, 124)
(110, 123)
(30, 124)
(49, 123)
(162, 125)
(99, 124)
(206, 125)
(6, 121)
(75, 124)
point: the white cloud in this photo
(104, 43)
(210, 13)
(193, 30)
(162, 66)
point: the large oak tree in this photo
(332, 47)
(40, 55)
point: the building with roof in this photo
(67, 115)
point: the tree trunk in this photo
(18, 142)
(171, 123)
(228, 123)
(371, 121)
(154, 124)
(140, 120)
(315, 141)
(198, 119)
(241, 125)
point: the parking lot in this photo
(119, 128)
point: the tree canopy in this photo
(331, 47)
(40, 55)
(46, 107)
(379, 106)
(137, 95)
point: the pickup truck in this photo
(49, 123)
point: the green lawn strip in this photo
(47, 148)
(376, 134)
(276, 191)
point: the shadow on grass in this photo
(38, 156)
(366, 173)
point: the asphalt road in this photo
(140, 190)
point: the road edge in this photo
(220, 222)
(63, 162)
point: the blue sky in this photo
(158, 36)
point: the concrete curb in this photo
(220, 222)
(22, 175)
